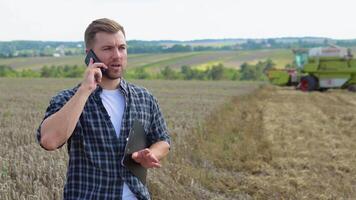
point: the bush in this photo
(137, 73)
(169, 73)
(7, 71)
(214, 72)
(29, 73)
(63, 72)
(255, 72)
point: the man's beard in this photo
(112, 76)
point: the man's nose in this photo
(117, 53)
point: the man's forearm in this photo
(57, 128)
(160, 149)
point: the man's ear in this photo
(86, 50)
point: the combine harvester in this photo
(318, 69)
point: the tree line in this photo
(10, 50)
(67, 71)
(255, 72)
(48, 48)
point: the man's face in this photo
(111, 49)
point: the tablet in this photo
(136, 141)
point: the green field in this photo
(230, 59)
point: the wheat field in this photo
(29, 172)
(231, 140)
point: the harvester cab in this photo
(300, 57)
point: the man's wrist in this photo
(84, 91)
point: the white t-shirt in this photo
(114, 103)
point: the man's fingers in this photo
(145, 151)
(153, 164)
(151, 157)
(135, 155)
(147, 155)
(156, 165)
(97, 75)
(96, 65)
(138, 156)
(141, 154)
(146, 158)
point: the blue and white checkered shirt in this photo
(95, 152)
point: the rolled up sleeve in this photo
(158, 130)
(56, 103)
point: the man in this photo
(95, 118)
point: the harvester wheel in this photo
(323, 89)
(352, 88)
(308, 83)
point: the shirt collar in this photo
(123, 86)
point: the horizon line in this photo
(191, 40)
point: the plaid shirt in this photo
(95, 152)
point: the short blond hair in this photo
(101, 25)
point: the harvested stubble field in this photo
(231, 140)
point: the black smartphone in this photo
(91, 54)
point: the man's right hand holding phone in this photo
(93, 75)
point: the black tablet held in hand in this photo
(136, 141)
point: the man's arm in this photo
(150, 157)
(158, 137)
(57, 128)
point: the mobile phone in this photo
(91, 54)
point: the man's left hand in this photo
(146, 158)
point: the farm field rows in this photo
(279, 143)
(231, 59)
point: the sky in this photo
(66, 20)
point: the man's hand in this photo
(93, 75)
(146, 158)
